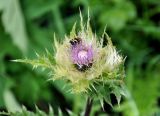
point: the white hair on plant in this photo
(113, 59)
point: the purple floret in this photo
(82, 54)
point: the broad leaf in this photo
(13, 22)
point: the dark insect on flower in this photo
(82, 54)
(83, 67)
(75, 41)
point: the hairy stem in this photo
(88, 106)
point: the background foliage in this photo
(27, 26)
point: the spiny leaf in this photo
(35, 63)
(107, 99)
(51, 113)
(60, 112)
(118, 91)
(44, 61)
(101, 102)
(39, 112)
(25, 112)
(71, 113)
(4, 113)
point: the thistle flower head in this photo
(82, 59)
(86, 63)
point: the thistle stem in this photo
(88, 106)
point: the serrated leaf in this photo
(25, 112)
(101, 102)
(116, 92)
(71, 113)
(44, 61)
(102, 93)
(39, 112)
(107, 99)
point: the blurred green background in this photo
(27, 26)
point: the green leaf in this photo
(13, 22)
(39, 112)
(25, 112)
(60, 112)
(119, 91)
(5, 84)
(144, 90)
(44, 61)
(116, 17)
(10, 102)
(51, 113)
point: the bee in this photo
(75, 41)
(83, 67)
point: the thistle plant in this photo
(91, 66)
